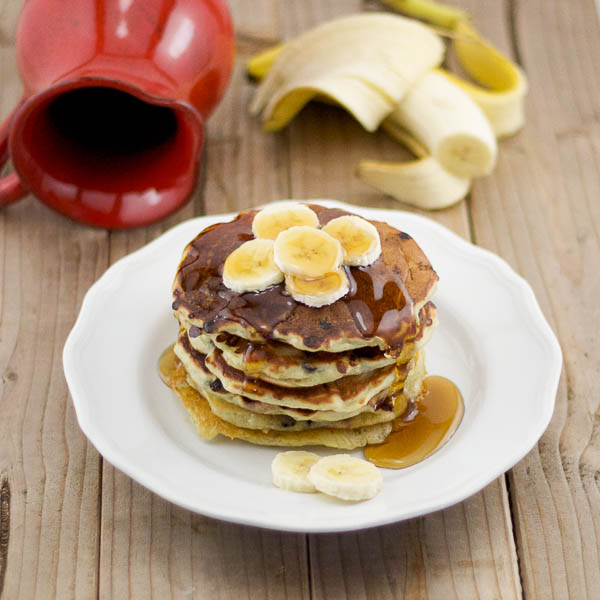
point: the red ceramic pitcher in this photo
(111, 124)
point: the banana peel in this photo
(503, 85)
(423, 182)
(365, 62)
(502, 98)
(442, 15)
(260, 64)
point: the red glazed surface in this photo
(91, 139)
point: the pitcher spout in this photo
(105, 152)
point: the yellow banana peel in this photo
(435, 13)
(502, 98)
(258, 66)
(365, 62)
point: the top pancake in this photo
(379, 310)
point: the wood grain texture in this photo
(461, 552)
(49, 473)
(151, 548)
(466, 551)
(72, 526)
(45, 460)
(540, 212)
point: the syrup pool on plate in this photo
(441, 410)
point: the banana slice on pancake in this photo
(346, 477)
(320, 291)
(358, 237)
(251, 267)
(290, 470)
(271, 221)
(308, 252)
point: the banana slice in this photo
(359, 239)
(308, 252)
(346, 477)
(251, 267)
(318, 292)
(290, 470)
(271, 221)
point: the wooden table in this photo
(73, 526)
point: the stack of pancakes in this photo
(267, 369)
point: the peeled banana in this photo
(251, 267)
(364, 62)
(450, 124)
(358, 63)
(504, 84)
(423, 182)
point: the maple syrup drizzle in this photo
(377, 301)
(440, 412)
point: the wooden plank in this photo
(540, 212)
(150, 547)
(50, 470)
(49, 473)
(466, 551)
(460, 552)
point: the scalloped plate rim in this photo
(116, 458)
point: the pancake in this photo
(287, 366)
(251, 420)
(265, 368)
(203, 380)
(379, 310)
(345, 394)
(210, 425)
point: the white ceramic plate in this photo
(492, 341)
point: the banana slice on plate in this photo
(358, 237)
(290, 470)
(271, 221)
(251, 267)
(346, 477)
(308, 252)
(318, 292)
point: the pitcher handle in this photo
(11, 188)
